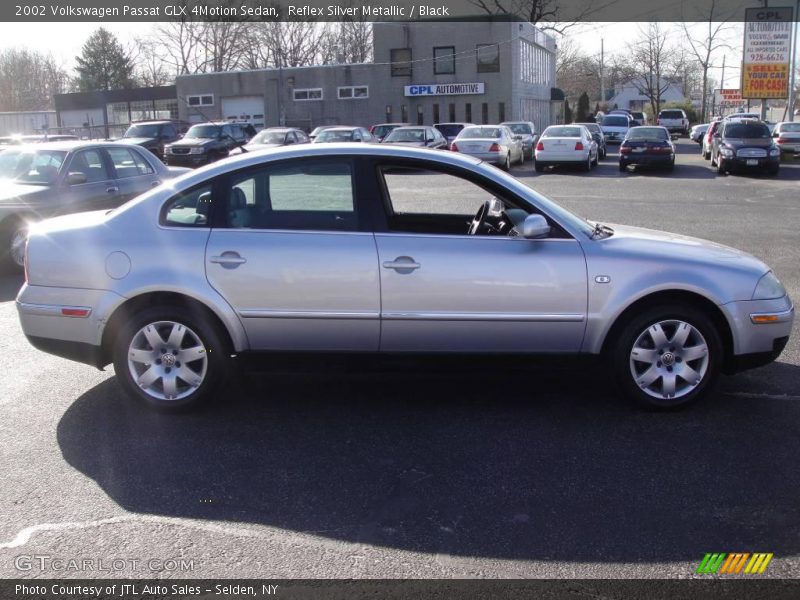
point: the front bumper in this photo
(756, 344)
(186, 160)
(745, 163)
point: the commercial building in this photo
(39, 121)
(422, 72)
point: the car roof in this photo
(155, 122)
(343, 128)
(456, 123)
(69, 145)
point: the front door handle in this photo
(402, 264)
(112, 190)
(228, 259)
(156, 183)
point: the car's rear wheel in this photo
(587, 166)
(506, 166)
(13, 234)
(707, 155)
(623, 167)
(667, 357)
(170, 358)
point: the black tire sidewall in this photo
(218, 355)
(620, 354)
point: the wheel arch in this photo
(147, 299)
(684, 297)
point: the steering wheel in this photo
(480, 218)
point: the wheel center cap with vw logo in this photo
(668, 358)
(168, 360)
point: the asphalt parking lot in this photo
(422, 470)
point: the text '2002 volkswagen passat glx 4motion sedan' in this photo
(383, 249)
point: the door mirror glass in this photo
(535, 226)
(76, 178)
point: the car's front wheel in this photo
(13, 234)
(170, 358)
(667, 357)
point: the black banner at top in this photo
(536, 11)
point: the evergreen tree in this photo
(567, 112)
(583, 107)
(103, 63)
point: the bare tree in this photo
(549, 15)
(150, 68)
(29, 80)
(651, 64)
(706, 45)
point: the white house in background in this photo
(631, 95)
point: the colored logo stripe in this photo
(711, 563)
(734, 563)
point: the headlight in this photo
(196, 150)
(774, 151)
(769, 287)
(727, 152)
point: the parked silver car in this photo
(55, 178)
(527, 130)
(493, 143)
(380, 248)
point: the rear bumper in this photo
(559, 158)
(81, 352)
(647, 159)
(490, 157)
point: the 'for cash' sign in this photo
(767, 50)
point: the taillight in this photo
(453, 147)
(624, 149)
(579, 146)
(494, 147)
(783, 140)
(540, 146)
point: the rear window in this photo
(648, 133)
(520, 128)
(671, 114)
(791, 127)
(747, 130)
(615, 121)
(449, 130)
(480, 132)
(562, 132)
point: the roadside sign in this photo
(767, 52)
(729, 99)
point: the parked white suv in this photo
(675, 120)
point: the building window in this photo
(352, 92)
(485, 113)
(488, 56)
(420, 115)
(403, 113)
(388, 113)
(468, 112)
(501, 112)
(303, 95)
(401, 62)
(444, 60)
(451, 112)
(200, 100)
(118, 113)
(436, 113)
(166, 109)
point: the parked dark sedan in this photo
(273, 137)
(204, 143)
(647, 146)
(597, 136)
(422, 137)
(55, 178)
(744, 145)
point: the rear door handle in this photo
(156, 183)
(112, 190)
(228, 259)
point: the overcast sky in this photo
(64, 40)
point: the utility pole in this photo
(602, 72)
(793, 74)
(763, 100)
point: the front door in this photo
(445, 291)
(292, 262)
(99, 190)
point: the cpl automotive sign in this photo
(445, 89)
(767, 48)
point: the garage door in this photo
(244, 108)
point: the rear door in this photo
(293, 259)
(133, 172)
(99, 191)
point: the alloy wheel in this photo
(17, 246)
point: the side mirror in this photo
(535, 226)
(76, 178)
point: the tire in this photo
(646, 379)
(588, 165)
(12, 237)
(506, 166)
(623, 167)
(596, 159)
(199, 335)
(773, 170)
(707, 155)
(539, 167)
(711, 158)
(720, 167)
(671, 166)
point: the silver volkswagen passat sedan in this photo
(384, 249)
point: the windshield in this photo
(144, 131)
(570, 132)
(204, 132)
(520, 128)
(406, 135)
(615, 121)
(382, 130)
(31, 167)
(648, 133)
(269, 137)
(791, 127)
(335, 136)
(449, 130)
(479, 132)
(747, 130)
